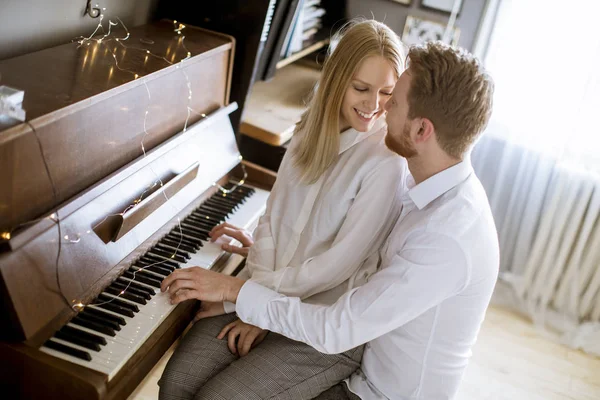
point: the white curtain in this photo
(539, 162)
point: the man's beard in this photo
(401, 146)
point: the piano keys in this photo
(93, 324)
(104, 338)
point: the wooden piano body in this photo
(69, 174)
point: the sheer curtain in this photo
(540, 161)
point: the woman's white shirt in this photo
(314, 240)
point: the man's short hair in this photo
(450, 88)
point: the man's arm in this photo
(421, 276)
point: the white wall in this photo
(394, 15)
(31, 25)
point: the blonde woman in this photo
(333, 204)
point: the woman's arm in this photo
(365, 227)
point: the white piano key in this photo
(89, 364)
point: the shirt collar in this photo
(432, 188)
(351, 136)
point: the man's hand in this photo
(234, 232)
(209, 309)
(201, 284)
(249, 337)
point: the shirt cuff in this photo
(229, 307)
(252, 303)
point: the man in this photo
(421, 312)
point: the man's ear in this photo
(425, 130)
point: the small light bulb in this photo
(136, 76)
(5, 235)
(203, 115)
(117, 39)
(175, 22)
(148, 51)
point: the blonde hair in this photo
(450, 88)
(319, 126)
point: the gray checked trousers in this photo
(202, 367)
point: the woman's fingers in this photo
(235, 249)
(233, 334)
(225, 329)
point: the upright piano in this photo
(127, 159)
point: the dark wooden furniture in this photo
(78, 162)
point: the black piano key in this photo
(218, 203)
(93, 326)
(217, 207)
(160, 260)
(148, 264)
(215, 210)
(104, 297)
(196, 228)
(200, 237)
(90, 337)
(229, 203)
(149, 291)
(199, 223)
(223, 202)
(117, 309)
(209, 222)
(180, 237)
(228, 186)
(122, 284)
(143, 279)
(126, 295)
(138, 270)
(206, 216)
(210, 212)
(111, 324)
(177, 244)
(84, 355)
(244, 190)
(67, 337)
(179, 251)
(167, 254)
(156, 269)
(238, 199)
(228, 198)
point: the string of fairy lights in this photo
(104, 37)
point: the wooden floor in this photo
(510, 362)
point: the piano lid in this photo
(61, 76)
(90, 114)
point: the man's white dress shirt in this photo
(422, 311)
(313, 240)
